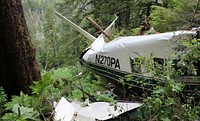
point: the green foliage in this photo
(164, 19)
(21, 108)
(48, 89)
(175, 15)
(21, 113)
(64, 77)
(2, 96)
(22, 100)
(189, 55)
(166, 103)
(67, 72)
(3, 100)
(167, 100)
(75, 87)
(135, 31)
(131, 13)
(41, 88)
(105, 98)
(57, 44)
(25, 107)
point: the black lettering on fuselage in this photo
(112, 61)
(101, 59)
(107, 61)
(97, 59)
(117, 64)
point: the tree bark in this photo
(18, 66)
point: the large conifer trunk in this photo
(18, 67)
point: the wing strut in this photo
(76, 27)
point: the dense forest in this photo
(58, 47)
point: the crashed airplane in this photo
(115, 59)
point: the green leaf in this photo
(165, 119)
(22, 100)
(9, 116)
(158, 91)
(21, 113)
(177, 87)
(170, 101)
(157, 102)
(41, 87)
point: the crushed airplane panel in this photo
(66, 111)
(105, 111)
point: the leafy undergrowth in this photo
(68, 83)
(53, 85)
(174, 100)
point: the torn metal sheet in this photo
(74, 111)
(64, 111)
(103, 111)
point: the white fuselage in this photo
(116, 54)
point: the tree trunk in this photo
(18, 67)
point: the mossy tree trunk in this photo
(18, 67)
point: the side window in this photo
(135, 66)
(138, 68)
